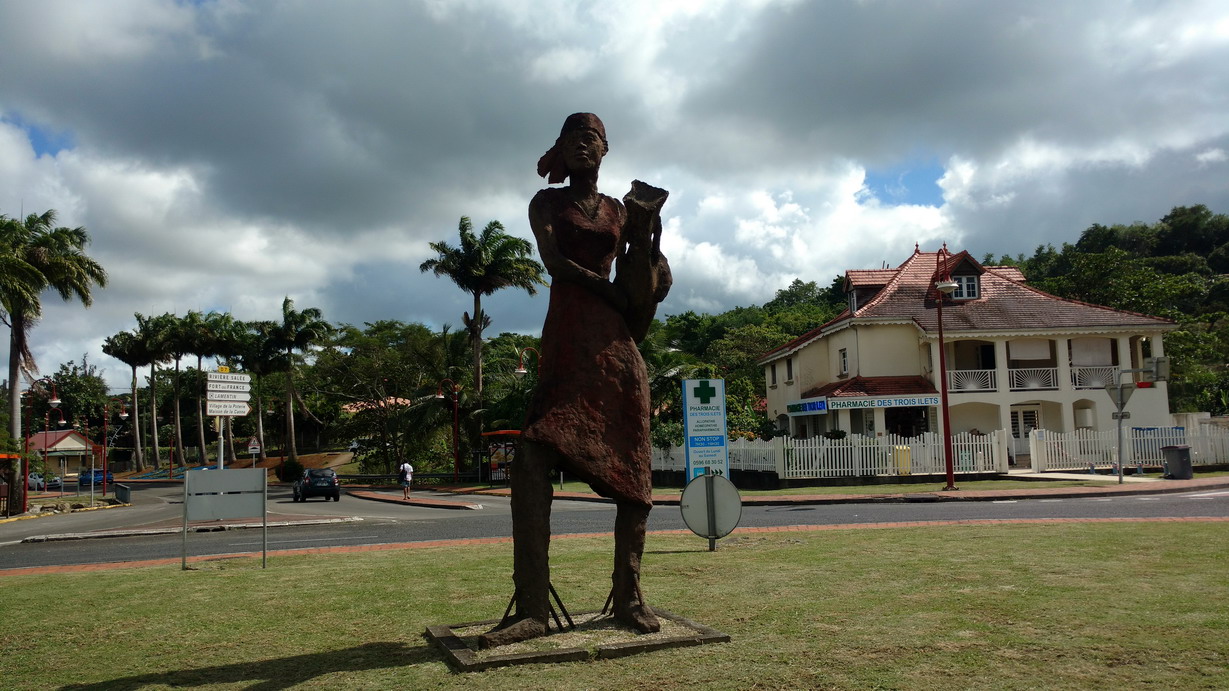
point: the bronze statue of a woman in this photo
(590, 411)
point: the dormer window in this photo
(966, 287)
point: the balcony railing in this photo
(1034, 378)
(972, 380)
(1092, 377)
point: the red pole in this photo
(106, 413)
(456, 452)
(25, 456)
(947, 423)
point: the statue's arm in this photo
(563, 269)
(641, 270)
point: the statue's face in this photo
(583, 149)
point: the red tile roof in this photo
(1004, 303)
(874, 386)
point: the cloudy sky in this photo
(225, 154)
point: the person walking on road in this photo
(405, 475)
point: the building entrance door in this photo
(1023, 421)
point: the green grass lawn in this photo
(1083, 606)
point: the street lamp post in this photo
(106, 440)
(456, 451)
(945, 286)
(47, 440)
(520, 370)
(54, 402)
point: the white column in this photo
(1000, 366)
(1062, 355)
(1124, 352)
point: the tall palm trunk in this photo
(153, 414)
(17, 485)
(138, 454)
(292, 451)
(180, 450)
(260, 422)
(200, 418)
(260, 426)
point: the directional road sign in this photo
(227, 408)
(228, 396)
(228, 376)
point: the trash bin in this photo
(1178, 462)
(902, 459)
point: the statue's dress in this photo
(591, 404)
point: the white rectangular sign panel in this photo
(228, 376)
(227, 396)
(227, 408)
(704, 427)
(227, 386)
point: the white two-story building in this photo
(1016, 358)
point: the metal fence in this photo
(1082, 449)
(858, 456)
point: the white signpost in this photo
(227, 408)
(704, 430)
(226, 395)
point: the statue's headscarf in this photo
(552, 162)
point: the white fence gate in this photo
(858, 456)
(1140, 446)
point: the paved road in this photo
(370, 522)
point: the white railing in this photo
(1033, 378)
(1140, 446)
(1093, 377)
(972, 380)
(858, 456)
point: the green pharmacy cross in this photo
(704, 392)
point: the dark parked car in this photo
(93, 477)
(317, 482)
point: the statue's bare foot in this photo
(520, 630)
(639, 617)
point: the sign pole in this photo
(712, 508)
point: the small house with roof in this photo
(67, 446)
(1016, 358)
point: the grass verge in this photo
(1006, 607)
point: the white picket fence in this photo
(1140, 446)
(858, 456)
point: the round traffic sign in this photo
(714, 492)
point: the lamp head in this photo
(54, 402)
(520, 371)
(946, 287)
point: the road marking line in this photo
(1206, 495)
(1004, 501)
(1052, 501)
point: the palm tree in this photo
(154, 335)
(222, 344)
(297, 331)
(259, 357)
(128, 348)
(483, 264)
(35, 255)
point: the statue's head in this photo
(580, 146)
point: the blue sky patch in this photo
(912, 182)
(44, 141)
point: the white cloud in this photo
(226, 154)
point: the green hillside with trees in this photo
(317, 385)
